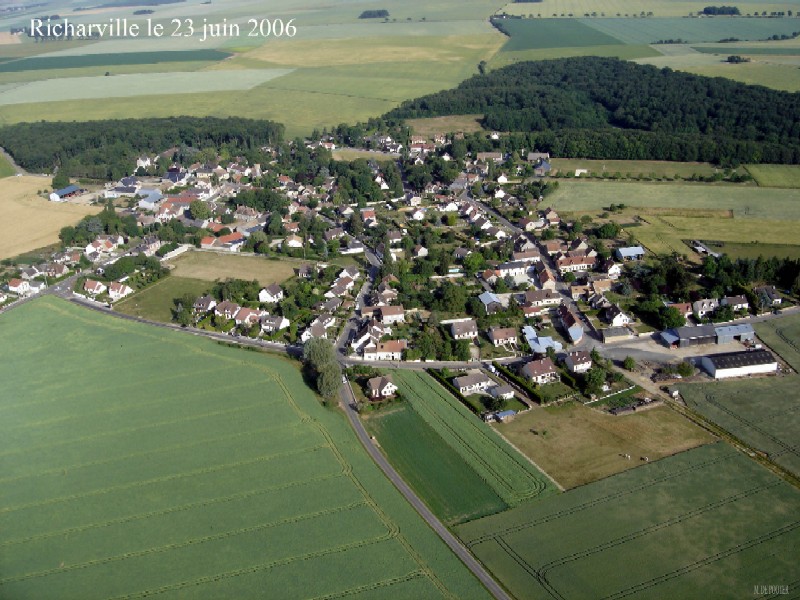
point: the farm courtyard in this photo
(142, 461)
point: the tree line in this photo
(607, 108)
(108, 149)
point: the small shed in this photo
(506, 415)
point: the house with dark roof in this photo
(464, 330)
(381, 387)
(541, 371)
(469, 384)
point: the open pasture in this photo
(510, 475)
(213, 266)
(708, 519)
(576, 444)
(450, 124)
(449, 486)
(763, 412)
(155, 302)
(144, 461)
(738, 250)
(6, 168)
(29, 221)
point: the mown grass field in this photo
(736, 250)
(156, 301)
(509, 474)
(448, 485)
(576, 445)
(708, 519)
(6, 169)
(211, 266)
(144, 461)
(29, 221)
(778, 176)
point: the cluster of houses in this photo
(242, 316)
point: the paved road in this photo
(348, 402)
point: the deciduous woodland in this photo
(611, 109)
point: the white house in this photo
(739, 364)
(392, 314)
(578, 361)
(271, 294)
(541, 371)
(119, 290)
(469, 384)
(19, 287)
(381, 387)
(92, 287)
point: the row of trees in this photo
(321, 367)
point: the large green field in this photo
(506, 471)
(449, 486)
(783, 336)
(532, 34)
(778, 176)
(155, 302)
(634, 8)
(705, 523)
(139, 462)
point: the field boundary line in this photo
(373, 586)
(533, 462)
(170, 510)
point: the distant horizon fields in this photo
(339, 68)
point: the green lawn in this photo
(156, 301)
(765, 249)
(144, 462)
(508, 473)
(450, 487)
(783, 336)
(708, 519)
(763, 412)
(777, 176)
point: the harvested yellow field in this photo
(211, 266)
(29, 221)
(451, 124)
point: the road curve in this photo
(347, 401)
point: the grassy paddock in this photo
(679, 525)
(512, 477)
(777, 176)
(6, 168)
(156, 302)
(763, 412)
(783, 336)
(577, 445)
(450, 487)
(29, 221)
(211, 266)
(451, 124)
(659, 168)
(193, 466)
(737, 250)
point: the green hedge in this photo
(533, 393)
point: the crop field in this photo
(345, 69)
(783, 336)
(778, 176)
(29, 221)
(533, 34)
(634, 168)
(211, 266)
(450, 124)
(169, 464)
(137, 84)
(156, 301)
(40, 63)
(449, 486)
(659, 8)
(763, 71)
(647, 31)
(764, 412)
(513, 478)
(708, 519)
(576, 444)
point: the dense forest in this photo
(606, 108)
(108, 149)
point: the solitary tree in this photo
(629, 363)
